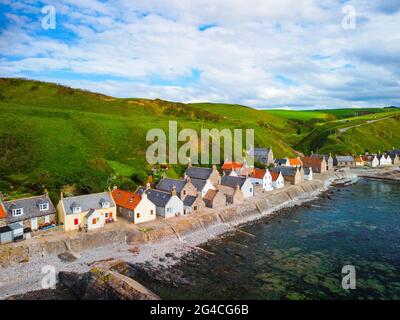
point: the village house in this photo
(264, 155)
(232, 195)
(214, 199)
(193, 204)
(384, 160)
(263, 178)
(3, 214)
(244, 184)
(328, 159)
(308, 173)
(359, 161)
(88, 212)
(289, 162)
(6, 234)
(29, 214)
(134, 207)
(201, 173)
(236, 169)
(395, 159)
(203, 186)
(168, 204)
(183, 187)
(278, 181)
(344, 161)
(370, 160)
(291, 175)
(318, 164)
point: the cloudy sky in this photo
(262, 53)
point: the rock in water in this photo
(103, 284)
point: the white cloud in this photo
(254, 47)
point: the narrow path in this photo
(343, 130)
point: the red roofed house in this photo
(134, 207)
(236, 169)
(261, 177)
(295, 162)
(277, 180)
(359, 161)
(317, 164)
(3, 215)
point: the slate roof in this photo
(344, 158)
(393, 152)
(189, 200)
(198, 183)
(167, 184)
(286, 171)
(280, 162)
(158, 197)
(87, 202)
(261, 152)
(198, 173)
(30, 208)
(232, 182)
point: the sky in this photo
(294, 54)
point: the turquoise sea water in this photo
(300, 255)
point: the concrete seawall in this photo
(194, 228)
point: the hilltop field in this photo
(59, 138)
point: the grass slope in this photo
(54, 136)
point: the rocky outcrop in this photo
(103, 284)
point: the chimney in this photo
(187, 179)
(189, 163)
(143, 195)
(61, 195)
(148, 186)
(173, 192)
(46, 192)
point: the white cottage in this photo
(308, 174)
(168, 204)
(203, 186)
(244, 184)
(262, 177)
(277, 180)
(370, 160)
(384, 160)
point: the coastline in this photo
(176, 236)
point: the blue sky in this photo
(293, 54)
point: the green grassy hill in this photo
(56, 137)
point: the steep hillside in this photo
(57, 137)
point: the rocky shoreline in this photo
(161, 243)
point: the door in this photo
(34, 224)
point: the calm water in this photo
(300, 255)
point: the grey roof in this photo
(30, 208)
(189, 200)
(261, 151)
(198, 183)
(198, 172)
(232, 182)
(87, 201)
(393, 152)
(166, 184)
(286, 171)
(345, 158)
(280, 161)
(158, 197)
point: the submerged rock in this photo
(102, 284)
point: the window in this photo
(169, 210)
(137, 215)
(43, 206)
(105, 205)
(184, 192)
(195, 208)
(76, 222)
(106, 215)
(151, 212)
(94, 221)
(17, 212)
(76, 209)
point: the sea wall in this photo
(205, 224)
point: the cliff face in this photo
(160, 230)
